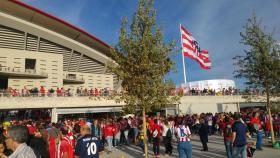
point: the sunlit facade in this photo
(38, 49)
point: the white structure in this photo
(217, 84)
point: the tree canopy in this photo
(142, 61)
(260, 65)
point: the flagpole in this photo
(184, 69)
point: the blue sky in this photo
(215, 24)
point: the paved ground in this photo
(215, 145)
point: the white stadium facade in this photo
(40, 50)
(37, 49)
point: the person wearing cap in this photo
(88, 146)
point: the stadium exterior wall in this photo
(81, 60)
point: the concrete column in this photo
(69, 61)
(38, 44)
(25, 41)
(54, 115)
(178, 109)
(165, 111)
(78, 66)
(238, 107)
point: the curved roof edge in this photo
(59, 20)
(213, 80)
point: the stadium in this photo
(44, 55)
(47, 64)
(38, 49)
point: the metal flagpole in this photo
(184, 69)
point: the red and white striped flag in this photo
(192, 50)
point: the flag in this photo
(192, 50)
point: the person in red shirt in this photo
(227, 132)
(150, 124)
(256, 123)
(96, 92)
(42, 91)
(109, 132)
(65, 147)
(267, 126)
(52, 138)
(31, 128)
(134, 126)
(58, 92)
(156, 137)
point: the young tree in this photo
(260, 65)
(141, 63)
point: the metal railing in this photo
(64, 94)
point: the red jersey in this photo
(65, 145)
(52, 147)
(256, 121)
(157, 127)
(31, 129)
(227, 135)
(109, 130)
(134, 123)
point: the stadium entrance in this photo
(85, 113)
(3, 82)
(90, 116)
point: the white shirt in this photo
(165, 129)
(23, 151)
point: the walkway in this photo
(215, 145)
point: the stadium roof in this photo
(36, 16)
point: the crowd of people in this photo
(59, 92)
(218, 92)
(87, 138)
(224, 91)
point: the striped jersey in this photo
(183, 132)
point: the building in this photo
(215, 84)
(38, 49)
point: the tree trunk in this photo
(270, 118)
(145, 133)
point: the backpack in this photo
(183, 134)
(168, 133)
(255, 128)
(228, 131)
(155, 133)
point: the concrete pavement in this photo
(215, 145)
